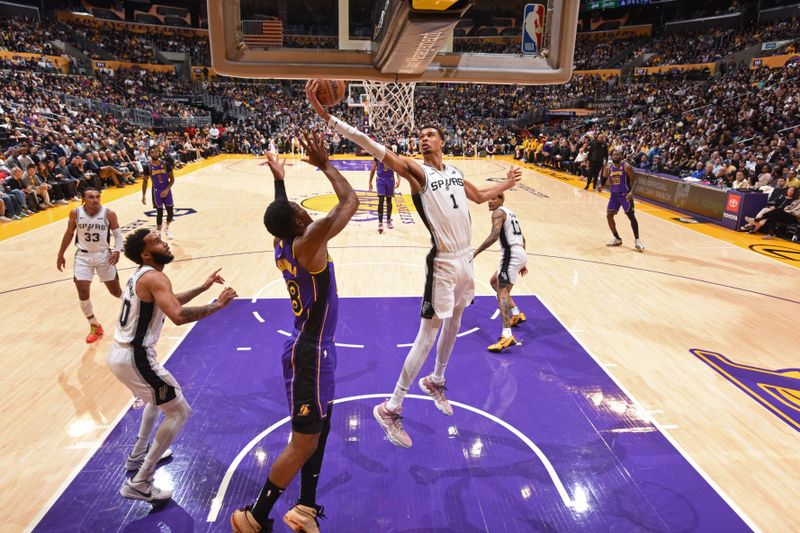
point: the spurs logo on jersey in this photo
(92, 233)
(139, 322)
(442, 204)
(511, 234)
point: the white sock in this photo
(175, 417)
(515, 311)
(444, 348)
(428, 328)
(150, 416)
(88, 312)
(506, 332)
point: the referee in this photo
(598, 155)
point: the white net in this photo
(390, 106)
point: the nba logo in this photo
(532, 28)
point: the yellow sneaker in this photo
(516, 320)
(503, 343)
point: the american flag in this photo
(262, 33)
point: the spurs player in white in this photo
(440, 195)
(513, 261)
(94, 224)
(147, 300)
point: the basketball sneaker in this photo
(95, 332)
(304, 518)
(380, 228)
(502, 344)
(243, 521)
(167, 232)
(616, 241)
(144, 491)
(392, 425)
(389, 224)
(436, 391)
(639, 245)
(134, 462)
(516, 320)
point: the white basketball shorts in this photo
(511, 262)
(449, 283)
(141, 372)
(87, 263)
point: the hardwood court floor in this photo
(639, 313)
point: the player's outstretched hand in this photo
(513, 176)
(226, 296)
(278, 168)
(212, 279)
(311, 93)
(314, 145)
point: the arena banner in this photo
(202, 73)
(695, 198)
(742, 204)
(59, 62)
(622, 33)
(602, 72)
(100, 64)
(779, 61)
(645, 71)
(138, 27)
(773, 45)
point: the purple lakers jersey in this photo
(617, 179)
(315, 303)
(159, 175)
(385, 173)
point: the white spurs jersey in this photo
(92, 233)
(139, 322)
(511, 234)
(442, 204)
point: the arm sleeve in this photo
(280, 190)
(376, 150)
(118, 240)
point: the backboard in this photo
(488, 41)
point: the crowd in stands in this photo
(19, 34)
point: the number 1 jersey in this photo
(442, 205)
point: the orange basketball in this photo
(330, 92)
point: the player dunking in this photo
(440, 195)
(147, 300)
(513, 261)
(309, 357)
(94, 224)
(622, 182)
(160, 172)
(387, 183)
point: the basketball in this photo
(330, 92)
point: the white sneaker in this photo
(134, 462)
(615, 242)
(167, 232)
(144, 491)
(639, 245)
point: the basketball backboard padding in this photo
(231, 58)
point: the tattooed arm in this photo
(498, 218)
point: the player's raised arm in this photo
(480, 196)
(158, 286)
(404, 166)
(69, 234)
(321, 231)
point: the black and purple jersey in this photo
(315, 302)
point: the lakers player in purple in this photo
(387, 183)
(309, 357)
(622, 182)
(160, 173)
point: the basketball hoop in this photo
(390, 106)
